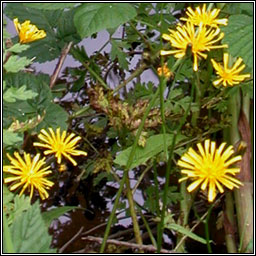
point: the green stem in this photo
(9, 247)
(136, 227)
(243, 195)
(128, 165)
(195, 114)
(136, 73)
(141, 36)
(148, 228)
(96, 75)
(206, 226)
(229, 235)
(168, 171)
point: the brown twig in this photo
(149, 248)
(63, 56)
(71, 240)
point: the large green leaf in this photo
(50, 6)
(239, 37)
(94, 17)
(56, 213)
(29, 233)
(153, 146)
(20, 205)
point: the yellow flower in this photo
(200, 40)
(229, 76)
(28, 32)
(210, 167)
(29, 174)
(165, 71)
(60, 144)
(204, 17)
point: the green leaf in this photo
(29, 233)
(56, 213)
(49, 6)
(15, 64)
(54, 115)
(94, 17)
(20, 205)
(247, 8)
(239, 37)
(117, 52)
(18, 48)
(7, 195)
(154, 146)
(12, 94)
(184, 231)
(11, 138)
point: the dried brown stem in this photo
(149, 248)
(71, 240)
(59, 65)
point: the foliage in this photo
(134, 123)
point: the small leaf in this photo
(17, 48)
(15, 64)
(94, 17)
(12, 94)
(56, 213)
(11, 138)
(29, 233)
(117, 52)
(153, 147)
(184, 231)
(49, 6)
(239, 37)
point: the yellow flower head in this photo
(210, 167)
(165, 71)
(28, 32)
(205, 17)
(200, 40)
(229, 76)
(60, 144)
(28, 174)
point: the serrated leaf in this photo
(50, 6)
(17, 48)
(15, 64)
(117, 52)
(29, 233)
(7, 195)
(54, 115)
(184, 231)
(20, 205)
(94, 17)
(56, 213)
(153, 147)
(12, 94)
(11, 138)
(239, 37)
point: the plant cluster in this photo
(103, 122)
